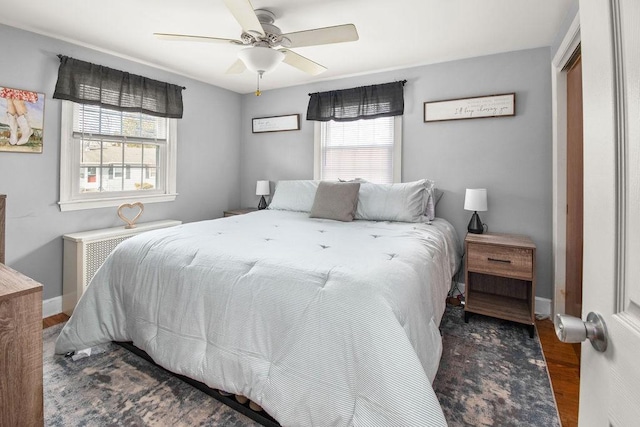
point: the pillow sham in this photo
(437, 193)
(404, 202)
(294, 195)
(429, 200)
(335, 200)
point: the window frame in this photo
(70, 197)
(397, 149)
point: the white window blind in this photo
(364, 149)
(97, 121)
(110, 141)
(109, 156)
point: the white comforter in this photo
(323, 323)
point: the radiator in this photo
(85, 252)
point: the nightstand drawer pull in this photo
(506, 261)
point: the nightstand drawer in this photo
(500, 260)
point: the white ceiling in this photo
(393, 33)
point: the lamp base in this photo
(262, 204)
(475, 225)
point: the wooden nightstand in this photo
(500, 277)
(241, 211)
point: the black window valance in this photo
(365, 102)
(87, 83)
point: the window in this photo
(369, 149)
(109, 157)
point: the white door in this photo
(610, 381)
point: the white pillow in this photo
(404, 202)
(296, 195)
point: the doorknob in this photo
(570, 329)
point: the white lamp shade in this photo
(260, 59)
(475, 199)
(262, 188)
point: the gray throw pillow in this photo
(336, 200)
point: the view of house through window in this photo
(358, 149)
(119, 151)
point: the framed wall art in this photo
(470, 108)
(21, 120)
(276, 123)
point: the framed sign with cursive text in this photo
(276, 123)
(470, 108)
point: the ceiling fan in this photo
(266, 45)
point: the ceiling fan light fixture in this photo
(259, 58)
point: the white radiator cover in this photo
(84, 253)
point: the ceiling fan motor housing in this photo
(272, 34)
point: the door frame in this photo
(566, 49)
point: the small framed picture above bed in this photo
(470, 108)
(276, 123)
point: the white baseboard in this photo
(51, 307)
(543, 305)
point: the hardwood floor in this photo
(54, 320)
(563, 361)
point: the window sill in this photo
(75, 205)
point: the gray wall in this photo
(208, 158)
(510, 156)
(219, 159)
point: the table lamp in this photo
(262, 189)
(475, 199)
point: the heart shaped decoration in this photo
(130, 222)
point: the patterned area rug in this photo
(491, 374)
(114, 387)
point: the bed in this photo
(320, 322)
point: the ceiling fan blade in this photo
(326, 35)
(302, 63)
(244, 14)
(190, 38)
(236, 68)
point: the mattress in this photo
(320, 322)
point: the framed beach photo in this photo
(21, 120)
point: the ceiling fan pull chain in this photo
(260, 73)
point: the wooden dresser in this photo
(20, 344)
(20, 350)
(2, 221)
